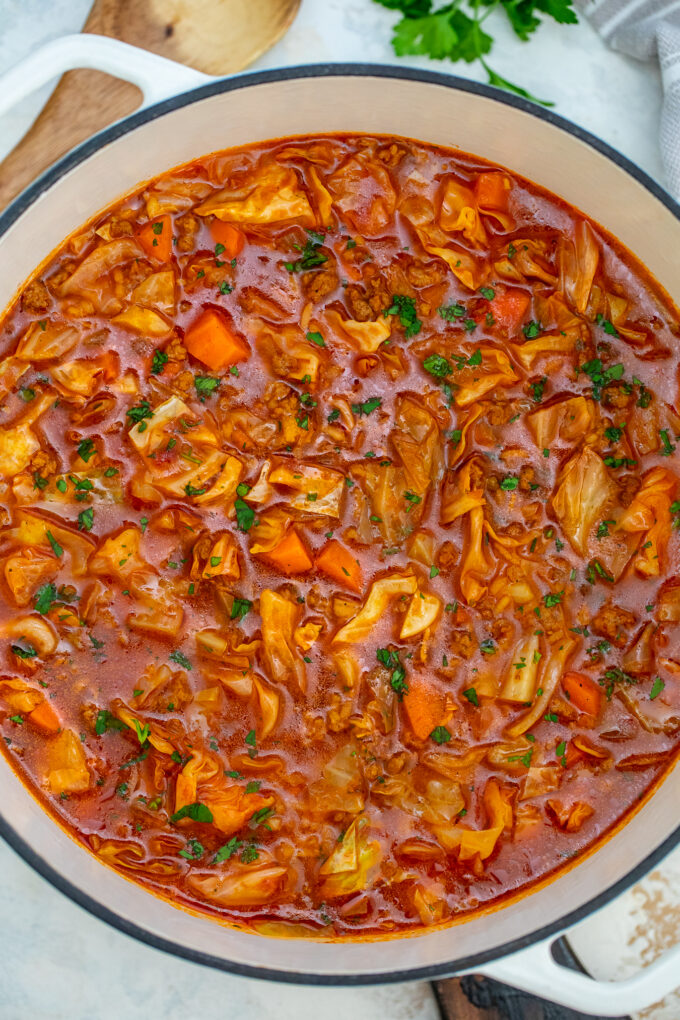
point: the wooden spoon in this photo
(215, 36)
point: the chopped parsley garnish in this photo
(657, 688)
(612, 676)
(228, 850)
(193, 850)
(390, 660)
(56, 548)
(240, 608)
(600, 376)
(245, 515)
(86, 519)
(667, 448)
(532, 329)
(438, 366)
(603, 529)
(450, 312)
(192, 490)
(105, 721)
(316, 338)
(139, 412)
(158, 362)
(310, 257)
(553, 599)
(333, 416)
(405, 308)
(412, 499)
(613, 433)
(606, 325)
(440, 735)
(487, 292)
(537, 389)
(86, 449)
(180, 659)
(205, 386)
(471, 695)
(367, 406)
(509, 483)
(44, 597)
(487, 647)
(197, 812)
(25, 651)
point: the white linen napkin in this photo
(646, 29)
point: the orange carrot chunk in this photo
(231, 237)
(492, 191)
(583, 692)
(509, 308)
(211, 339)
(290, 555)
(45, 718)
(337, 562)
(156, 238)
(424, 705)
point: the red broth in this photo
(339, 543)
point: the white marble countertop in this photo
(58, 962)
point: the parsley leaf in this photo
(245, 515)
(180, 659)
(440, 735)
(311, 257)
(197, 812)
(159, 361)
(405, 308)
(367, 406)
(240, 608)
(205, 386)
(44, 597)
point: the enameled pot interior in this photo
(278, 104)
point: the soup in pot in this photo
(339, 535)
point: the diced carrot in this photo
(424, 705)
(211, 339)
(45, 718)
(231, 237)
(492, 191)
(337, 561)
(290, 555)
(583, 692)
(509, 308)
(156, 238)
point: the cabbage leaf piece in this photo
(280, 618)
(67, 770)
(247, 887)
(475, 381)
(202, 780)
(552, 667)
(480, 842)
(32, 527)
(90, 278)
(471, 271)
(317, 489)
(379, 597)
(521, 679)
(649, 515)
(584, 488)
(366, 336)
(579, 257)
(459, 213)
(217, 474)
(570, 418)
(352, 864)
(341, 786)
(422, 613)
(362, 190)
(272, 193)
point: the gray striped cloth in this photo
(646, 29)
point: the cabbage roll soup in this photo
(339, 546)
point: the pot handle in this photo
(535, 970)
(156, 77)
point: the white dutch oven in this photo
(511, 944)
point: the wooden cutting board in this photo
(215, 36)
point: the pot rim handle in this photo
(535, 970)
(157, 77)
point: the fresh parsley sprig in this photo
(453, 31)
